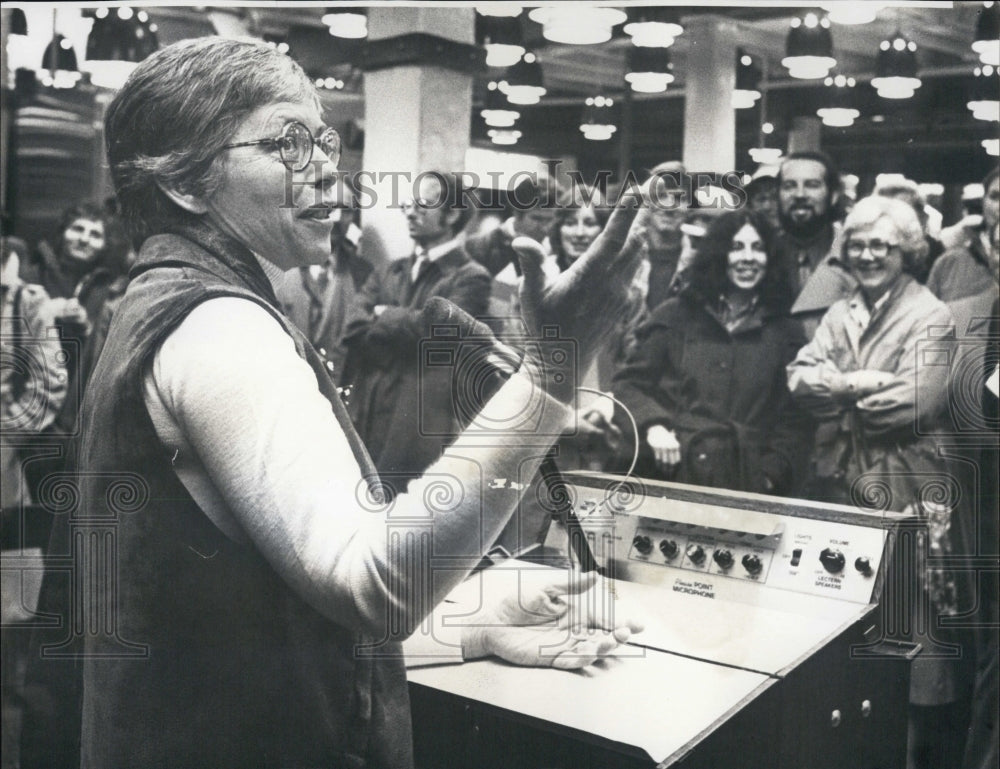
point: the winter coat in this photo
(881, 451)
(963, 271)
(404, 410)
(723, 393)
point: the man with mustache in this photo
(809, 188)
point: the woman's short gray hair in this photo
(912, 242)
(175, 113)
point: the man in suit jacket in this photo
(318, 298)
(534, 202)
(403, 409)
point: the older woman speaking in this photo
(261, 589)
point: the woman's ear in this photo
(191, 203)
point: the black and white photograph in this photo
(489, 385)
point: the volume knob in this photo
(833, 560)
(643, 544)
(724, 558)
(695, 553)
(669, 549)
(752, 563)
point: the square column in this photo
(418, 111)
(709, 117)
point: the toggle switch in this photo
(796, 556)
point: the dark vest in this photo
(205, 657)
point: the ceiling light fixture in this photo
(499, 9)
(896, 68)
(497, 112)
(765, 155)
(577, 25)
(503, 135)
(747, 81)
(59, 64)
(852, 12)
(348, 23)
(117, 42)
(596, 124)
(502, 38)
(649, 69)
(809, 47)
(841, 112)
(523, 83)
(18, 22)
(987, 41)
(653, 27)
(985, 101)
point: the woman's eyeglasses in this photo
(295, 145)
(877, 248)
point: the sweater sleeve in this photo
(813, 375)
(249, 408)
(916, 391)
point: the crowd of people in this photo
(770, 346)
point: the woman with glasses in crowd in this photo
(706, 382)
(881, 403)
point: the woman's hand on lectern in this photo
(561, 619)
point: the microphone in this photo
(505, 361)
(439, 311)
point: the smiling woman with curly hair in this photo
(706, 381)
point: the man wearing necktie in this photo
(393, 397)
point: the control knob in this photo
(752, 563)
(833, 560)
(724, 558)
(669, 548)
(695, 553)
(643, 544)
(863, 565)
